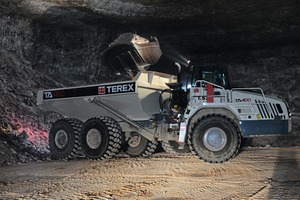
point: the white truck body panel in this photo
(138, 103)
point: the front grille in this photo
(269, 111)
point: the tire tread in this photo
(225, 120)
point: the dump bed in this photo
(138, 99)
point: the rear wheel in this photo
(64, 138)
(172, 147)
(101, 138)
(215, 139)
(137, 145)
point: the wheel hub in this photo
(93, 138)
(134, 141)
(61, 139)
(214, 139)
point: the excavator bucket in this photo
(132, 53)
(148, 50)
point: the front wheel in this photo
(215, 139)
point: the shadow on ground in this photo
(285, 181)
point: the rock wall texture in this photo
(54, 43)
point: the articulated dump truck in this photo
(196, 110)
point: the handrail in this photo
(245, 89)
(265, 102)
(203, 84)
(207, 82)
(226, 96)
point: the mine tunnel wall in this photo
(71, 56)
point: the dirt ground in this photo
(256, 173)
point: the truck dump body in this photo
(137, 99)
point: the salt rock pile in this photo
(23, 126)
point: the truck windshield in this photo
(215, 74)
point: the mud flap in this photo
(182, 133)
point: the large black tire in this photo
(101, 138)
(64, 141)
(172, 147)
(215, 139)
(137, 145)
